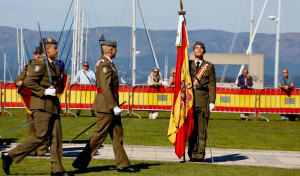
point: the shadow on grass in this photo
(113, 168)
(226, 158)
(77, 141)
(74, 151)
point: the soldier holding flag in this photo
(204, 89)
(192, 100)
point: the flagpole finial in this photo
(181, 7)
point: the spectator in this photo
(85, 76)
(172, 78)
(245, 82)
(286, 83)
(154, 79)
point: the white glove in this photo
(117, 110)
(50, 91)
(211, 106)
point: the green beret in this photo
(109, 43)
(36, 50)
(49, 41)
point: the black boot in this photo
(6, 162)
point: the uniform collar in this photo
(108, 58)
(201, 61)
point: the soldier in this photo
(204, 81)
(45, 107)
(42, 149)
(108, 113)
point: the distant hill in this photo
(216, 41)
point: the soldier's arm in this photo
(35, 74)
(212, 84)
(22, 76)
(105, 74)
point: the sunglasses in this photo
(85, 65)
(155, 71)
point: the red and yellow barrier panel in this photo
(148, 98)
(235, 100)
(83, 96)
(145, 98)
(278, 101)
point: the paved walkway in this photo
(279, 159)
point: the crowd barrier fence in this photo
(236, 100)
(82, 96)
(11, 98)
(149, 98)
(1, 105)
(278, 101)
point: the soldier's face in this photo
(113, 52)
(198, 51)
(36, 56)
(52, 51)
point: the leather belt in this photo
(200, 88)
(115, 90)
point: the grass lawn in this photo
(225, 131)
(107, 167)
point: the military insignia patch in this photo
(37, 68)
(105, 70)
(49, 39)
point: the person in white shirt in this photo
(155, 80)
(85, 76)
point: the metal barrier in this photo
(82, 97)
(11, 98)
(149, 98)
(63, 101)
(278, 101)
(1, 104)
(236, 100)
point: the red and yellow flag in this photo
(181, 120)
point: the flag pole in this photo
(182, 13)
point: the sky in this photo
(227, 15)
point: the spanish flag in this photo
(181, 120)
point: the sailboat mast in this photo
(251, 24)
(81, 39)
(86, 39)
(18, 48)
(4, 75)
(133, 49)
(277, 45)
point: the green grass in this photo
(107, 167)
(225, 131)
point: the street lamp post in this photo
(277, 20)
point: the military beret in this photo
(201, 44)
(37, 50)
(109, 43)
(49, 41)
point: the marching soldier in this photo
(107, 106)
(204, 86)
(42, 149)
(45, 107)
